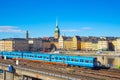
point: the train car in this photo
(11, 55)
(36, 56)
(90, 62)
(82, 61)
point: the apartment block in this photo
(103, 45)
(14, 44)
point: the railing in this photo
(42, 72)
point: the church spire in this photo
(57, 31)
(27, 34)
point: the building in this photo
(103, 45)
(61, 42)
(14, 44)
(68, 43)
(114, 45)
(76, 45)
(2, 45)
(118, 45)
(88, 46)
(65, 43)
(94, 46)
(57, 31)
(35, 44)
(46, 46)
(83, 46)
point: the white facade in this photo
(117, 45)
(103, 45)
(61, 42)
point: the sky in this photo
(75, 17)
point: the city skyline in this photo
(75, 17)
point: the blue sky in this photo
(75, 17)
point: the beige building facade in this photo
(14, 44)
(76, 45)
(103, 45)
(117, 45)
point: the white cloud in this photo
(86, 28)
(10, 29)
(70, 30)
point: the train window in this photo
(56, 58)
(91, 61)
(81, 60)
(52, 58)
(72, 59)
(47, 57)
(44, 56)
(39, 56)
(86, 61)
(68, 59)
(76, 60)
(60, 58)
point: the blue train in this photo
(90, 62)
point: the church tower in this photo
(27, 35)
(57, 31)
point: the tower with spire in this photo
(27, 34)
(57, 31)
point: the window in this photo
(87, 61)
(60, 58)
(63, 58)
(91, 61)
(39, 56)
(72, 60)
(81, 60)
(68, 59)
(56, 58)
(52, 57)
(76, 60)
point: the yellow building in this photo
(103, 45)
(2, 45)
(65, 43)
(94, 46)
(83, 46)
(68, 44)
(76, 45)
(118, 45)
(14, 44)
(88, 45)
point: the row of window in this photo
(12, 54)
(74, 60)
(57, 58)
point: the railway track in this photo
(81, 73)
